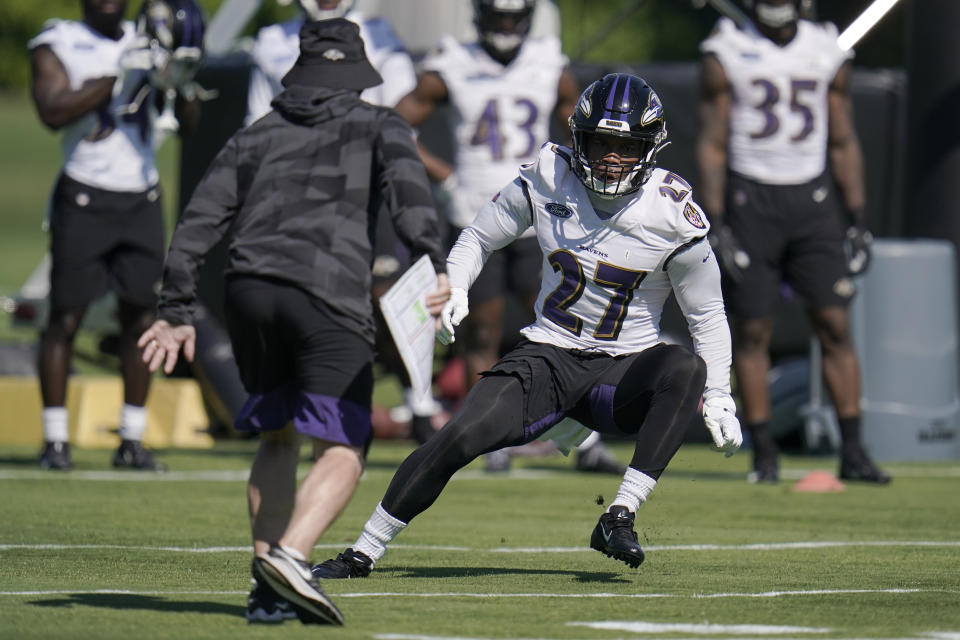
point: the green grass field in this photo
(98, 554)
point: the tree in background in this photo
(610, 32)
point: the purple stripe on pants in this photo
(601, 406)
(313, 414)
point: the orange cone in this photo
(819, 482)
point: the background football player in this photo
(774, 108)
(96, 80)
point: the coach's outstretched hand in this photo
(720, 417)
(454, 311)
(161, 344)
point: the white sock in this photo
(380, 529)
(133, 422)
(634, 489)
(55, 424)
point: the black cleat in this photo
(598, 459)
(293, 581)
(349, 564)
(614, 537)
(132, 455)
(766, 469)
(263, 603)
(856, 466)
(56, 455)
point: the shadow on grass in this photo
(134, 601)
(482, 572)
(32, 461)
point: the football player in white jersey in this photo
(91, 79)
(617, 236)
(504, 90)
(774, 108)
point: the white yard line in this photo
(492, 596)
(763, 546)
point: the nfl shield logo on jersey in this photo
(557, 209)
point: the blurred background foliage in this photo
(594, 31)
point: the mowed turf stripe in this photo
(238, 475)
(759, 546)
(455, 594)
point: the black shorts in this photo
(297, 363)
(514, 268)
(794, 236)
(101, 240)
(565, 382)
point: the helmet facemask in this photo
(314, 11)
(503, 26)
(776, 16)
(610, 179)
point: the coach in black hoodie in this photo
(298, 192)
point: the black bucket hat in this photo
(332, 56)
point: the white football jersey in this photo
(606, 278)
(278, 46)
(103, 149)
(501, 113)
(778, 119)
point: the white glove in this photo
(136, 60)
(137, 56)
(454, 311)
(177, 69)
(720, 417)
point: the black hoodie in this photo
(299, 191)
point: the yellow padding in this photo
(175, 413)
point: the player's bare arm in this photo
(713, 116)
(567, 95)
(843, 146)
(416, 107)
(57, 104)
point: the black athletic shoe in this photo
(766, 469)
(56, 455)
(349, 564)
(132, 455)
(598, 459)
(292, 580)
(264, 605)
(614, 536)
(856, 466)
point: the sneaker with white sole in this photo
(264, 605)
(293, 581)
(349, 564)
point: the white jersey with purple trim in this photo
(103, 149)
(779, 111)
(606, 277)
(501, 113)
(278, 46)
